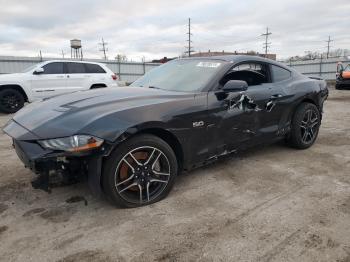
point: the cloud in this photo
(157, 28)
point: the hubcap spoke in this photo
(155, 160)
(133, 158)
(140, 188)
(313, 124)
(160, 173)
(127, 162)
(303, 124)
(150, 157)
(311, 133)
(305, 136)
(309, 113)
(129, 186)
(126, 180)
(157, 180)
(147, 190)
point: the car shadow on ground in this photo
(80, 193)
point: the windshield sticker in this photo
(208, 64)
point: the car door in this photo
(50, 81)
(77, 77)
(238, 119)
(282, 95)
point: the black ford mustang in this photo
(133, 141)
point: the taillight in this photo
(114, 77)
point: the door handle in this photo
(276, 96)
(59, 76)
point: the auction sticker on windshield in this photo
(208, 64)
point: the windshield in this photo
(28, 69)
(181, 75)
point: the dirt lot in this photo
(268, 204)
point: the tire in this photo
(125, 182)
(11, 100)
(305, 126)
(338, 87)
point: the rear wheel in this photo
(305, 126)
(11, 100)
(139, 172)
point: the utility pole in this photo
(104, 48)
(63, 53)
(266, 44)
(189, 48)
(328, 45)
(40, 55)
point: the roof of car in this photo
(238, 58)
(232, 58)
(75, 61)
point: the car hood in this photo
(7, 77)
(98, 112)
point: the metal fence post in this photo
(119, 70)
(321, 66)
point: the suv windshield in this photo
(27, 69)
(181, 75)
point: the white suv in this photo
(52, 78)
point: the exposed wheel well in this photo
(308, 100)
(305, 100)
(15, 87)
(100, 85)
(170, 139)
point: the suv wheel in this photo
(305, 126)
(140, 171)
(11, 101)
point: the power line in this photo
(189, 47)
(104, 48)
(328, 45)
(266, 44)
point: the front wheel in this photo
(11, 101)
(140, 171)
(305, 126)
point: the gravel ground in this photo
(271, 203)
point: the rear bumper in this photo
(343, 82)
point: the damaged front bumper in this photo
(55, 168)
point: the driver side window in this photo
(252, 72)
(53, 68)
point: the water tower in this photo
(76, 51)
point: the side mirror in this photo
(38, 71)
(235, 86)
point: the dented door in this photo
(237, 120)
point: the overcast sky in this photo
(157, 28)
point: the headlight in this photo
(73, 143)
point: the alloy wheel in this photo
(10, 101)
(142, 174)
(309, 126)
